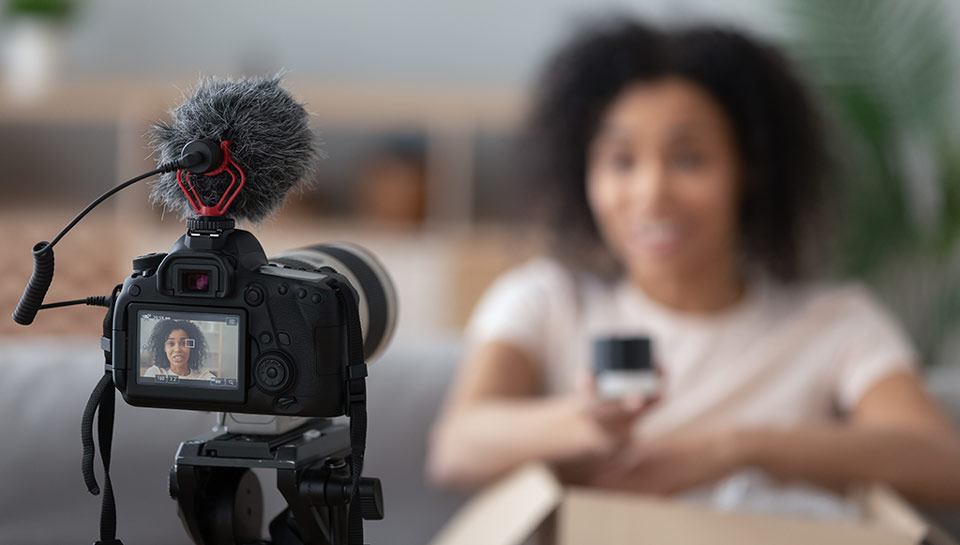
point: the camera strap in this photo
(356, 404)
(102, 402)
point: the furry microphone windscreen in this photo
(270, 137)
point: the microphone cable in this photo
(31, 301)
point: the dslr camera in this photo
(214, 325)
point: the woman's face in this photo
(177, 349)
(663, 180)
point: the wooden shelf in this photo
(118, 101)
(448, 119)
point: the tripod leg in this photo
(283, 529)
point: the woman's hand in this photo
(671, 464)
(603, 429)
(608, 425)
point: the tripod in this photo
(219, 498)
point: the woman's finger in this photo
(623, 409)
(586, 385)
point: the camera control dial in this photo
(147, 263)
(273, 373)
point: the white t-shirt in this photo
(780, 357)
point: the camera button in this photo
(286, 403)
(282, 289)
(301, 293)
(316, 298)
(283, 338)
(266, 337)
(134, 290)
(253, 296)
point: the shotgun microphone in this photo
(248, 133)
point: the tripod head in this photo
(219, 499)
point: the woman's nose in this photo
(649, 189)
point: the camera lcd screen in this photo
(188, 349)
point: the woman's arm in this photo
(896, 434)
(495, 421)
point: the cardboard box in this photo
(531, 506)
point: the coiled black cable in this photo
(31, 301)
(38, 285)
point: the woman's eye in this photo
(622, 161)
(686, 159)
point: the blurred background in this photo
(417, 104)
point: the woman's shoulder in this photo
(831, 302)
(546, 274)
(545, 281)
(867, 342)
(524, 303)
(531, 280)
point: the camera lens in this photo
(378, 297)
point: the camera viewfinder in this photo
(195, 281)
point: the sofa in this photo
(43, 500)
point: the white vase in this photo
(31, 50)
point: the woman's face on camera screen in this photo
(663, 180)
(177, 347)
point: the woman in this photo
(684, 167)
(178, 348)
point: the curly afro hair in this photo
(163, 330)
(777, 128)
